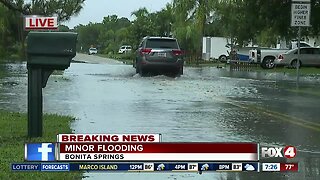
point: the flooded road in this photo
(205, 104)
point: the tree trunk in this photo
(23, 49)
(22, 52)
(202, 22)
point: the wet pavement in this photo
(205, 104)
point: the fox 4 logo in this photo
(288, 152)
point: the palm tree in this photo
(191, 17)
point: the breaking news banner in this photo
(139, 167)
(280, 167)
(141, 152)
(88, 138)
(288, 152)
(35, 22)
(48, 151)
(157, 151)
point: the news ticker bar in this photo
(157, 167)
(139, 167)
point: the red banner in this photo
(158, 148)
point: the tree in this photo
(122, 36)
(89, 35)
(63, 28)
(9, 31)
(162, 21)
(193, 16)
(107, 36)
(262, 21)
(114, 33)
(234, 24)
(63, 9)
(114, 22)
(142, 26)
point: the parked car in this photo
(125, 49)
(93, 51)
(266, 56)
(309, 56)
(159, 53)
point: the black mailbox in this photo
(52, 50)
(46, 52)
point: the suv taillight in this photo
(145, 51)
(177, 52)
(280, 57)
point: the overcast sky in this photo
(95, 10)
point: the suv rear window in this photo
(162, 43)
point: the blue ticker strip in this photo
(141, 167)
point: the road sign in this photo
(300, 14)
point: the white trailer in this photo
(215, 48)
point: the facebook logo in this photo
(40, 152)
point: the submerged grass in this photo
(302, 70)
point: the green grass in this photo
(302, 70)
(2, 73)
(126, 61)
(13, 136)
(11, 57)
(205, 64)
(307, 91)
(125, 58)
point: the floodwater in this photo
(205, 104)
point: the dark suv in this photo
(159, 53)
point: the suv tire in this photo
(141, 71)
(180, 71)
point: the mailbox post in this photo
(46, 52)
